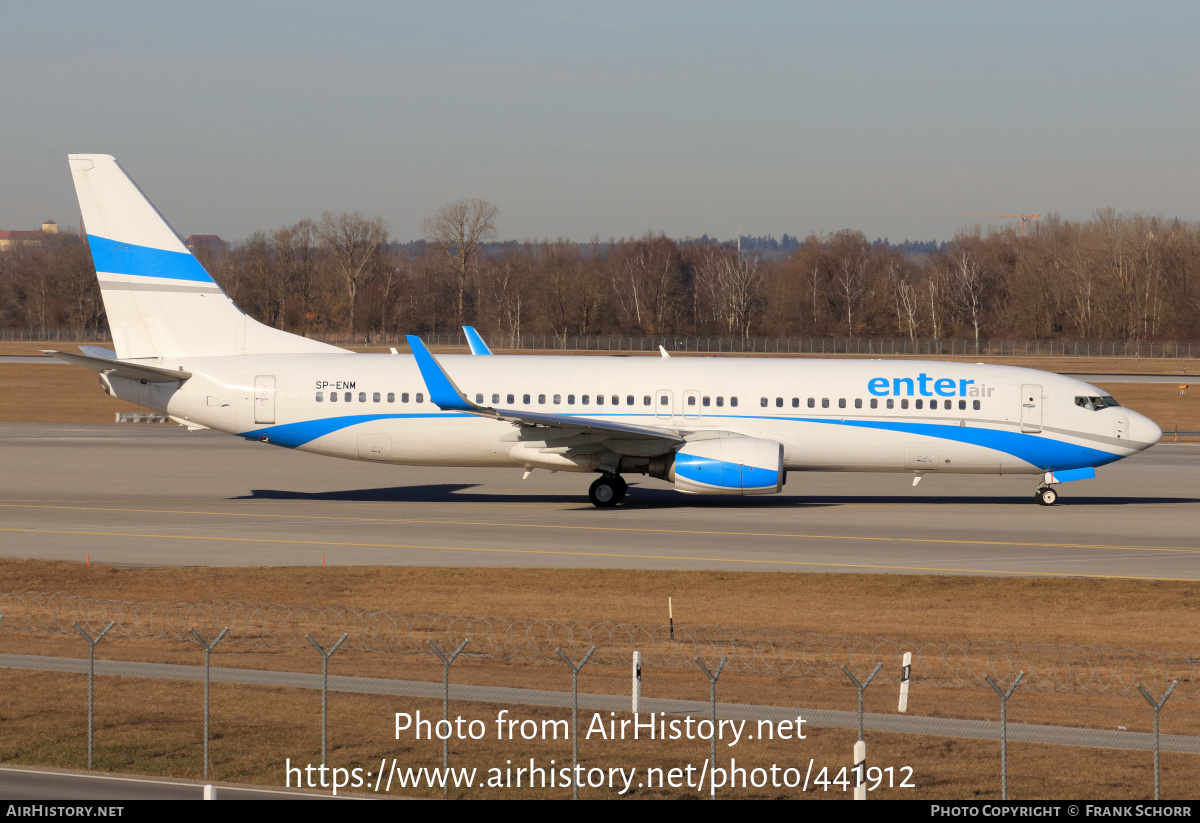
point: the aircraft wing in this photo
(122, 368)
(1169, 379)
(448, 396)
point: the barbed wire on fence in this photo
(1048, 668)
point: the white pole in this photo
(860, 770)
(905, 674)
(210, 792)
(637, 680)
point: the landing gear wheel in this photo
(622, 488)
(1046, 497)
(607, 491)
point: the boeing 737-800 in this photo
(707, 425)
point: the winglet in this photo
(664, 351)
(442, 390)
(475, 341)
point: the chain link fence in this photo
(723, 345)
(1048, 668)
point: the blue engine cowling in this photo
(729, 465)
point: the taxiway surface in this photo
(144, 495)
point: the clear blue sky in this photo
(606, 118)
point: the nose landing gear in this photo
(607, 490)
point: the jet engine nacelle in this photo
(729, 465)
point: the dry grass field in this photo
(152, 726)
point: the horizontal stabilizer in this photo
(121, 368)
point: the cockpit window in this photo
(1096, 403)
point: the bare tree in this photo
(970, 288)
(731, 285)
(354, 241)
(459, 228)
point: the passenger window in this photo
(362, 397)
(858, 402)
(320, 397)
(891, 404)
(662, 401)
(584, 399)
(376, 397)
(762, 401)
(691, 401)
(557, 399)
(525, 399)
(629, 400)
(962, 404)
(616, 400)
(333, 397)
(479, 399)
(812, 402)
(779, 402)
(920, 403)
(347, 397)
(795, 402)
(570, 400)
(404, 397)
(646, 400)
(841, 402)
(541, 399)
(824, 402)
(975, 405)
(495, 399)
(904, 403)
(720, 401)
(420, 397)
(705, 401)
(511, 399)
(733, 401)
(874, 403)
(599, 400)
(391, 397)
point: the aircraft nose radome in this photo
(1144, 430)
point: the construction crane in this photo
(1023, 217)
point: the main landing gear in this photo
(607, 490)
(1045, 496)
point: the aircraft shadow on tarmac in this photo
(653, 498)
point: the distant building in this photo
(7, 238)
(207, 243)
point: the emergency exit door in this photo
(1031, 408)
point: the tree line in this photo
(1111, 277)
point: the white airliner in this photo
(707, 425)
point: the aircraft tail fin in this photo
(159, 300)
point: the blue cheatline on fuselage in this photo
(294, 435)
(1035, 449)
(114, 257)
